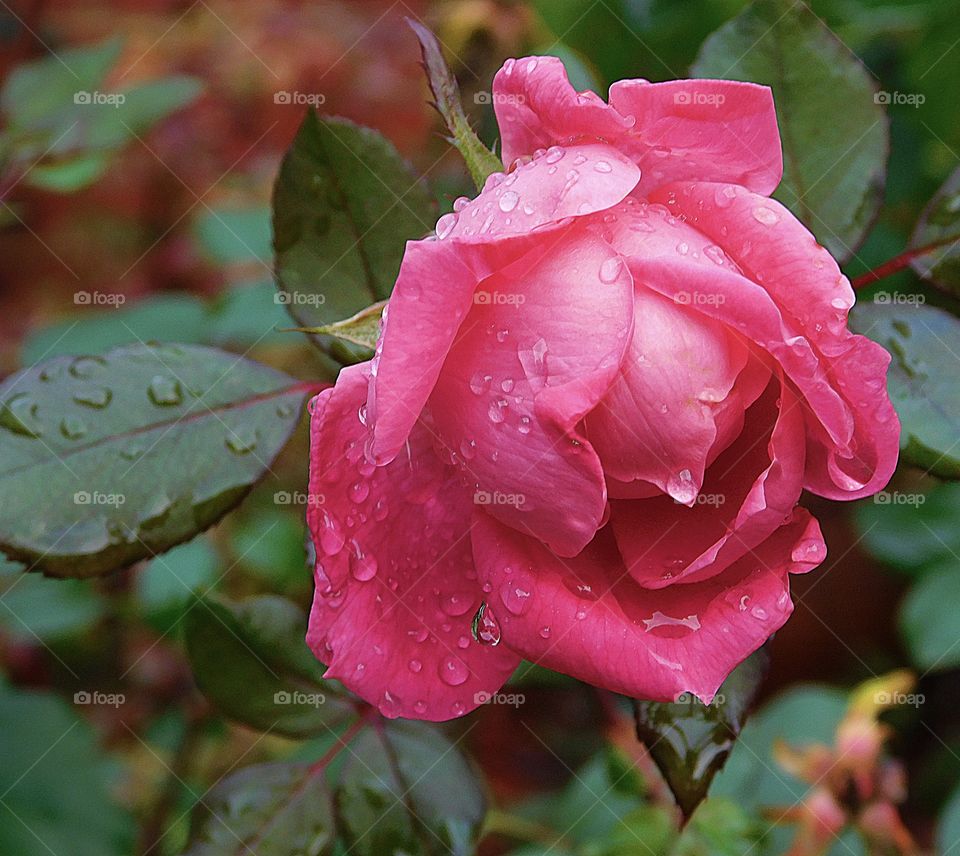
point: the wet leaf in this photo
(279, 809)
(481, 162)
(921, 379)
(105, 460)
(940, 221)
(833, 171)
(251, 660)
(344, 205)
(690, 741)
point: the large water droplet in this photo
(660, 619)
(485, 627)
(85, 367)
(362, 566)
(331, 533)
(96, 397)
(610, 269)
(453, 671)
(554, 154)
(508, 201)
(359, 491)
(515, 595)
(445, 225)
(165, 392)
(765, 215)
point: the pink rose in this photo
(600, 392)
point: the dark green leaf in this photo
(481, 162)
(690, 741)
(165, 587)
(911, 531)
(251, 660)
(278, 809)
(921, 380)
(56, 782)
(110, 459)
(409, 766)
(344, 204)
(834, 132)
(940, 222)
(930, 620)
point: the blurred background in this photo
(157, 227)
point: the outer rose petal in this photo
(754, 486)
(585, 617)
(658, 421)
(709, 130)
(774, 249)
(523, 372)
(537, 107)
(396, 590)
(437, 279)
(715, 130)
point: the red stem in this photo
(898, 263)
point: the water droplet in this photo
(496, 410)
(485, 627)
(85, 367)
(508, 200)
(460, 203)
(165, 392)
(545, 632)
(380, 510)
(660, 619)
(73, 427)
(19, 415)
(759, 612)
(515, 596)
(96, 397)
(554, 154)
(242, 440)
(362, 566)
(524, 426)
(456, 604)
(502, 334)
(453, 671)
(480, 383)
(683, 248)
(610, 269)
(415, 666)
(724, 196)
(602, 166)
(765, 215)
(468, 449)
(715, 254)
(445, 225)
(359, 491)
(331, 533)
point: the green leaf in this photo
(939, 222)
(408, 765)
(250, 659)
(71, 175)
(834, 133)
(930, 621)
(481, 162)
(231, 236)
(343, 206)
(278, 809)
(56, 782)
(911, 531)
(719, 827)
(948, 830)
(362, 329)
(690, 741)
(165, 588)
(109, 459)
(921, 379)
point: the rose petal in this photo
(585, 617)
(772, 248)
(396, 590)
(748, 492)
(708, 130)
(536, 353)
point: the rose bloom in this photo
(596, 398)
